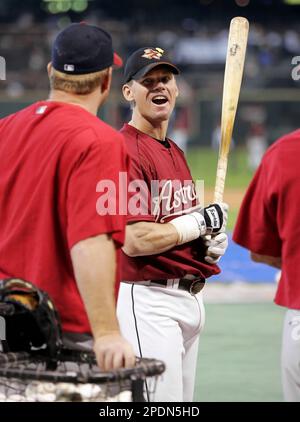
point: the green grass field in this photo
(232, 216)
(239, 354)
(203, 164)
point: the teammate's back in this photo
(43, 149)
(53, 155)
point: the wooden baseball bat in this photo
(236, 50)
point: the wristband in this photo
(189, 227)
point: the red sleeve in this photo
(139, 188)
(101, 162)
(256, 227)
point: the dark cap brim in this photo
(117, 60)
(142, 72)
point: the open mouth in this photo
(159, 100)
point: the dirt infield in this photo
(239, 292)
(232, 196)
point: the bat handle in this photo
(220, 179)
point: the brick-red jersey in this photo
(168, 191)
(268, 221)
(52, 156)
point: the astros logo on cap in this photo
(149, 53)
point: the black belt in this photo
(192, 286)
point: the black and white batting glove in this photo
(216, 248)
(216, 216)
(205, 221)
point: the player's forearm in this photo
(145, 238)
(265, 259)
(95, 268)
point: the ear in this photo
(49, 68)
(177, 91)
(127, 92)
(106, 81)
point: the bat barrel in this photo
(236, 50)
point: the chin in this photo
(160, 117)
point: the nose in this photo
(159, 86)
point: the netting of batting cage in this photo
(74, 376)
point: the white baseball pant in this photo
(290, 356)
(164, 323)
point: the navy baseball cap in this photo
(145, 59)
(81, 48)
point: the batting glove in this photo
(216, 248)
(208, 220)
(216, 216)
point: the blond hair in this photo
(76, 84)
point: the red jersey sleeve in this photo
(256, 227)
(100, 161)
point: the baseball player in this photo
(267, 225)
(165, 261)
(53, 154)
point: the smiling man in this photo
(165, 259)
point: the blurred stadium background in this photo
(240, 348)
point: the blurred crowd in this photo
(200, 50)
